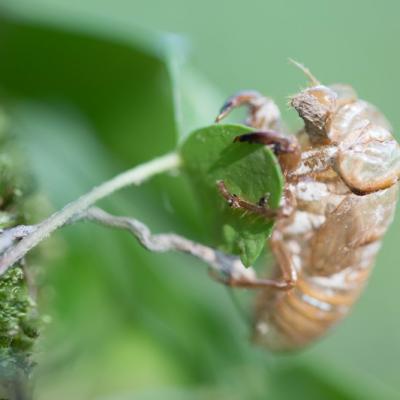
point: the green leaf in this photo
(249, 171)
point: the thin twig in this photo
(134, 176)
(220, 262)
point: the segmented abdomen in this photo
(295, 318)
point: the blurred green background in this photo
(89, 89)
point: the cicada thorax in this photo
(345, 204)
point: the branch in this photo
(223, 264)
(220, 262)
(32, 236)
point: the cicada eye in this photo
(369, 159)
(315, 106)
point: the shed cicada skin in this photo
(341, 172)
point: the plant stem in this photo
(134, 176)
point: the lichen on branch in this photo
(18, 317)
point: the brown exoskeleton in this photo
(341, 174)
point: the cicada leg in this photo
(283, 258)
(238, 202)
(260, 208)
(256, 283)
(263, 112)
(287, 148)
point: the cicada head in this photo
(316, 106)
